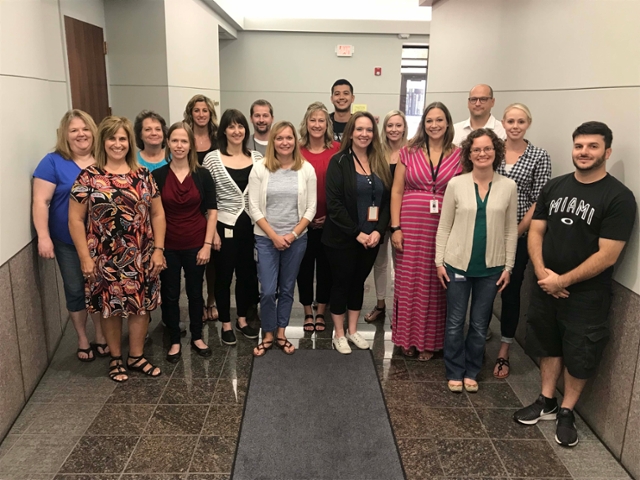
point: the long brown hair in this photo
(375, 152)
(420, 139)
(270, 156)
(212, 126)
(62, 147)
(192, 157)
(107, 129)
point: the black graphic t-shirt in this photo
(578, 215)
(338, 128)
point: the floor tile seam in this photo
(493, 445)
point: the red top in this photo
(320, 162)
(186, 226)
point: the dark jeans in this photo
(178, 260)
(71, 273)
(235, 255)
(350, 267)
(463, 358)
(314, 258)
(511, 295)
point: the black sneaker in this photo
(542, 409)
(228, 337)
(566, 433)
(248, 331)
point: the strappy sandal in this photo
(102, 346)
(117, 370)
(501, 363)
(320, 325)
(88, 352)
(262, 348)
(284, 346)
(410, 352)
(140, 363)
(308, 326)
(373, 315)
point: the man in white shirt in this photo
(261, 114)
(481, 102)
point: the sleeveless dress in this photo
(420, 302)
(120, 240)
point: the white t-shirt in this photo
(463, 129)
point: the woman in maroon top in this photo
(317, 147)
(189, 200)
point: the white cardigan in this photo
(307, 194)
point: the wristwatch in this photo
(395, 229)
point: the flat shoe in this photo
(455, 388)
(87, 351)
(471, 387)
(286, 346)
(320, 325)
(102, 346)
(203, 352)
(501, 363)
(174, 357)
(309, 326)
(261, 349)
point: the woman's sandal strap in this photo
(321, 323)
(263, 347)
(306, 325)
(140, 366)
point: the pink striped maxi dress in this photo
(420, 302)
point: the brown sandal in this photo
(410, 352)
(374, 314)
(262, 348)
(284, 346)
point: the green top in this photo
(477, 264)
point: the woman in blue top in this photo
(151, 137)
(52, 183)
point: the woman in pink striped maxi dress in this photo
(426, 165)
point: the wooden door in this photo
(87, 71)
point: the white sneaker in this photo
(358, 341)
(341, 344)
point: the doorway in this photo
(413, 87)
(87, 69)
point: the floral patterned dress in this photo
(120, 240)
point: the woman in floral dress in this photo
(117, 224)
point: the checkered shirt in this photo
(530, 172)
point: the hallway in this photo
(80, 425)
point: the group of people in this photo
(459, 209)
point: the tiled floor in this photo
(80, 425)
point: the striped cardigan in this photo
(231, 200)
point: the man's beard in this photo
(262, 128)
(594, 166)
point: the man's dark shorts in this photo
(575, 328)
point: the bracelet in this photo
(208, 243)
(295, 235)
(159, 248)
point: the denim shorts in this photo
(72, 278)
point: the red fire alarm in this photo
(377, 71)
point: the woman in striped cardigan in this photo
(233, 244)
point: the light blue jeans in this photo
(277, 273)
(463, 358)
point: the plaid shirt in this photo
(530, 172)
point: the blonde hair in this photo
(212, 126)
(377, 158)
(385, 141)
(192, 157)
(270, 157)
(304, 133)
(519, 106)
(107, 129)
(62, 147)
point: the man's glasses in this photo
(486, 150)
(482, 100)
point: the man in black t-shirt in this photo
(342, 98)
(581, 223)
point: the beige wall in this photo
(292, 70)
(570, 61)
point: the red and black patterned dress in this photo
(120, 240)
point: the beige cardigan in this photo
(454, 239)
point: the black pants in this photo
(236, 254)
(178, 260)
(350, 267)
(314, 258)
(511, 295)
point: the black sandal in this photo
(140, 363)
(374, 314)
(285, 345)
(102, 346)
(306, 325)
(320, 326)
(263, 347)
(502, 362)
(89, 352)
(117, 370)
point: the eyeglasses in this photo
(482, 100)
(486, 150)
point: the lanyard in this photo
(369, 178)
(434, 171)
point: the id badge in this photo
(433, 206)
(372, 214)
(459, 278)
(228, 233)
